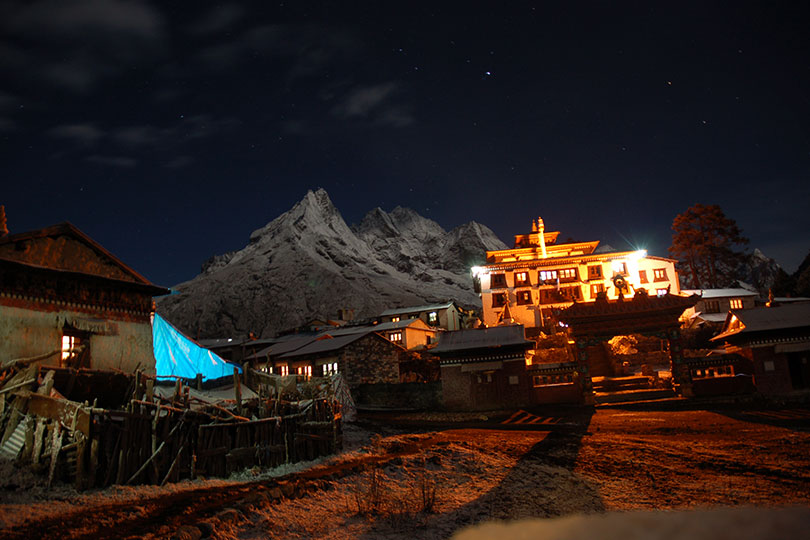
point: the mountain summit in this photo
(309, 263)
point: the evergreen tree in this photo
(702, 241)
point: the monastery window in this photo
(642, 276)
(498, 299)
(395, 337)
(548, 275)
(522, 279)
(72, 346)
(304, 371)
(497, 281)
(619, 267)
(485, 377)
(433, 317)
(329, 369)
(524, 297)
(568, 275)
(571, 293)
(596, 288)
(283, 370)
(595, 272)
(711, 306)
(661, 292)
(736, 303)
(395, 319)
(660, 274)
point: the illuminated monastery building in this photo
(524, 284)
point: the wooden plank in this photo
(56, 446)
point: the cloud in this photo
(373, 103)
(124, 19)
(76, 44)
(307, 47)
(113, 161)
(217, 20)
(361, 101)
(85, 134)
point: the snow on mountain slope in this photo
(309, 263)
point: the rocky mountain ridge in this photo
(309, 263)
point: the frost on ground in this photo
(431, 484)
(24, 495)
(462, 477)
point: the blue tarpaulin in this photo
(178, 356)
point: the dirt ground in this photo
(433, 480)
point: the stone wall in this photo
(371, 359)
(421, 396)
(507, 387)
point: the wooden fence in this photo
(152, 443)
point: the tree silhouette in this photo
(702, 241)
(3, 223)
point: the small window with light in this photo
(395, 319)
(660, 274)
(395, 337)
(433, 317)
(736, 303)
(524, 298)
(522, 279)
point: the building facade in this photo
(714, 304)
(525, 283)
(67, 299)
(445, 316)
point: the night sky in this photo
(168, 131)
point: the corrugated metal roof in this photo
(481, 338)
(324, 345)
(415, 309)
(719, 293)
(761, 319)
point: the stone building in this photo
(65, 298)
(526, 283)
(361, 358)
(446, 316)
(714, 304)
(484, 368)
(775, 339)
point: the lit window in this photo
(642, 276)
(619, 267)
(497, 281)
(329, 368)
(595, 272)
(433, 317)
(305, 371)
(661, 292)
(521, 279)
(71, 347)
(660, 274)
(284, 370)
(395, 319)
(548, 275)
(597, 288)
(736, 303)
(395, 337)
(498, 299)
(524, 297)
(569, 274)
